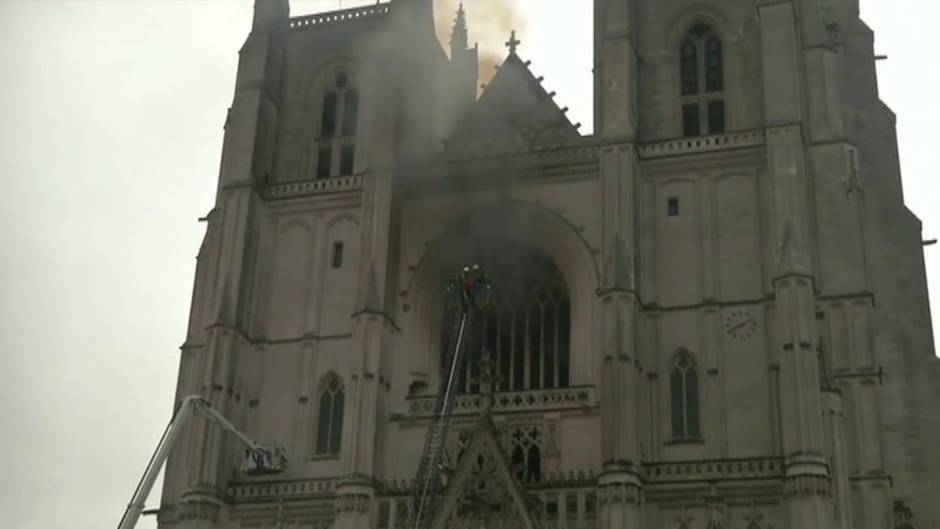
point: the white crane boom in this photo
(260, 459)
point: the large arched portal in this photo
(526, 330)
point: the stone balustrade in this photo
(314, 187)
(507, 402)
(702, 144)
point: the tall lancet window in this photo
(684, 389)
(526, 330)
(330, 423)
(339, 120)
(702, 83)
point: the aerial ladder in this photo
(259, 459)
(468, 293)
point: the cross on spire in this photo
(513, 42)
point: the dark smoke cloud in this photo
(490, 23)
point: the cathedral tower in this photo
(711, 312)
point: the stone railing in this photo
(334, 17)
(314, 187)
(279, 489)
(770, 468)
(514, 401)
(717, 142)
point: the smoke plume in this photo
(490, 23)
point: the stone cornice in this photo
(343, 16)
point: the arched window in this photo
(702, 83)
(526, 330)
(330, 423)
(526, 457)
(336, 145)
(684, 390)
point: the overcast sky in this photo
(111, 119)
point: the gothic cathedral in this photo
(710, 313)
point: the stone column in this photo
(620, 487)
(808, 485)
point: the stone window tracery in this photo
(330, 422)
(526, 454)
(339, 117)
(684, 397)
(702, 83)
(526, 330)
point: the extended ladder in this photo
(469, 292)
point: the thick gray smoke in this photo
(490, 23)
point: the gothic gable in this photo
(515, 114)
(484, 492)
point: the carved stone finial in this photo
(513, 43)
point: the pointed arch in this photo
(684, 396)
(335, 138)
(330, 408)
(699, 37)
(543, 230)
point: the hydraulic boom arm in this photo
(260, 459)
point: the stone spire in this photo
(459, 40)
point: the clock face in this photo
(740, 324)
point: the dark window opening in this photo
(337, 255)
(350, 112)
(672, 207)
(347, 155)
(690, 120)
(324, 162)
(328, 119)
(689, 68)
(702, 83)
(526, 330)
(716, 117)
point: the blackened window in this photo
(702, 83)
(526, 330)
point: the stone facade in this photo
(711, 313)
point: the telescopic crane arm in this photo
(260, 459)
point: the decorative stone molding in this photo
(198, 506)
(702, 144)
(314, 187)
(771, 468)
(281, 489)
(619, 492)
(358, 503)
(801, 485)
(338, 17)
(541, 400)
